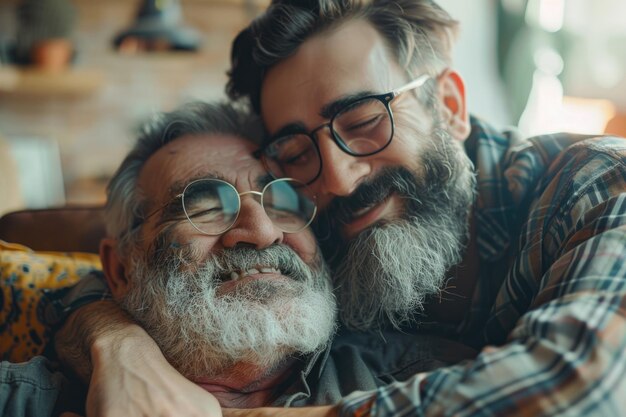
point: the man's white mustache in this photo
(237, 263)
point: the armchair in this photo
(64, 229)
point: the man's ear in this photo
(451, 91)
(114, 268)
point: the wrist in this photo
(125, 341)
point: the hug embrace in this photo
(345, 239)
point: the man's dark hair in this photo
(419, 34)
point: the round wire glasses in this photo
(363, 127)
(212, 206)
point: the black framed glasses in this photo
(361, 128)
(212, 205)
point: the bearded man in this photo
(214, 259)
(219, 265)
(435, 220)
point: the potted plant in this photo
(44, 30)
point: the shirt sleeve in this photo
(64, 301)
(30, 388)
(566, 354)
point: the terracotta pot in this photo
(52, 55)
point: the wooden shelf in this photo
(73, 82)
(257, 3)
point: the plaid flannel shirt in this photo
(549, 306)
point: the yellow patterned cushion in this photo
(24, 276)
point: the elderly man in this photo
(219, 268)
(432, 219)
(214, 259)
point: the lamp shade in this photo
(158, 26)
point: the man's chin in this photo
(258, 323)
(267, 291)
(389, 271)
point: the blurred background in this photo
(76, 76)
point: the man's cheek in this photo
(188, 254)
(316, 192)
(304, 244)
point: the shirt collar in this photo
(494, 209)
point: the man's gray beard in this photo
(263, 322)
(388, 270)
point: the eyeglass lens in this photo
(212, 206)
(363, 128)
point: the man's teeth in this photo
(253, 271)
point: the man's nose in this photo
(253, 227)
(341, 172)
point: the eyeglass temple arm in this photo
(155, 211)
(418, 82)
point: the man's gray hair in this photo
(125, 207)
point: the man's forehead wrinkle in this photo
(253, 179)
(241, 154)
(178, 186)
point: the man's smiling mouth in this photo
(390, 195)
(364, 218)
(238, 275)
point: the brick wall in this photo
(95, 131)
